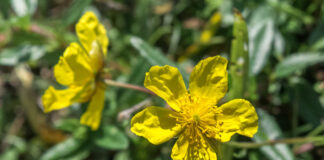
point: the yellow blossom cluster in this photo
(78, 69)
(193, 116)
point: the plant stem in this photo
(239, 70)
(129, 86)
(273, 142)
(125, 114)
(35, 116)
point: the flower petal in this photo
(209, 79)
(156, 124)
(89, 30)
(166, 82)
(190, 149)
(73, 67)
(180, 148)
(54, 99)
(92, 116)
(236, 116)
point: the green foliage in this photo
(154, 56)
(268, 130)
(297, 62)
(111, 138)
(275, 52)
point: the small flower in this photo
(78, 69)
(194, 117)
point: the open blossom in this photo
(194, 119)
(78, 69)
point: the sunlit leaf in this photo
(297, 62)
(270, 130)
(23, 53)
(24, 7)
(261, 37)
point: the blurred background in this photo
(284, 81)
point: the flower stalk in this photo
(297, 140)
(110, 82)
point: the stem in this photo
(129, 86)
(35, 116)
(125, 114)
(239, 70)
(273, 142)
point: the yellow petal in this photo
(73, 67)
(89, 30)
(209, 79)
(236, 116)
(192, 149)
(54, 99)
(180, 148)
(156, 124)
(92, 116)
(166, 82)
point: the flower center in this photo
(196, 118)
(198, 114)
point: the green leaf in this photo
(70, 147)
(17, 147)
(68, 125)
(124, 155)
(261, 38)
(75, 11)
(64, 149)
(4, 9)
(111, 138)
(297, 62)
(155, 56)
(285, 7)
(307, 101)
(24, 7)
(269, 130)
(23, 53)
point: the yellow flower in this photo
(78, 69)
(194, 117)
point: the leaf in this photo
(155, 56)
(23, 53)
(4, 9)
(17, 145)
(269, 130)
(124, 155)
(75, 11)
(70, 147)
(317, 33)
(111, 138)
(24, 7)
(261, 36)
(68, 125)
(278, 44)
(63, 149)
(297, 62)
(307, 100)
